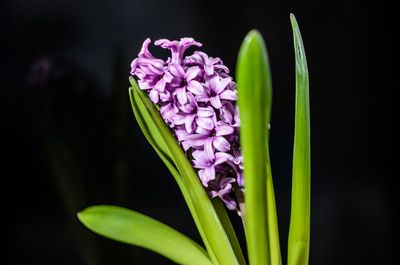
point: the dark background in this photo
(70, 140)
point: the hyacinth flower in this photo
(196, 101)
(212, 133)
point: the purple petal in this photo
(181, 95)
(165, 96)
(225, 182)
(185, 146)
(229, 202)
(225, 188)
(226, 156)
(202, 57)
(200, 155)
(238, 158)
(221, 157)
(154, 96)
(167, 77)
(134, 65)
(205, 112)
(147, 66)
(191, 104)
(216, 102)
(197, 139)
(209, 174)
(185, 43)
(191, 73)
(209, 149)
(240, 179)
(226, 112)
(203, 178)
(193, 59)
(213, 61)
(202, 131)
(201, 163)
(237, 117)
(177, 48)
(160, 85)
(178, 119)
(212, 193)
(221, 144)
(157, 70)
(228, 95)
(144, 85)
(168, 110)
(144, 52)
(206, 123)
(173, 46)
(189, 122)
(176, 70)
(209, 69)
(223, 130)
(157, 63)
(213, 82)
(221, 67)
(181, 134)
(197, 154)
(166, 44)
(222, 84)
(206, 175)
(195, 87)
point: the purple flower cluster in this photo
(197, 99)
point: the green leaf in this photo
(299, 232)
(273, 231)
(148, 127)
(134, 228)
(150, 131)
(153, 136)
(215, 238)
(254, 100)
(230, 231)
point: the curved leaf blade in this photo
(299, 232)
(215, 237)
(147, 125)
(153, 136)
(134, 228)
(273, 231)
(254, 100)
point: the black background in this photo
(70, 140)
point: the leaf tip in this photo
(253, 35)
(253, 32)
(79, 216)
(293, 20)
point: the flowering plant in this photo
(188, 109)
(197, 99)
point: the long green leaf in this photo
(208, 218)
(299, 232)
(153, 136)
(134, 228)
(273, 231)
(149, 130)
(254, 100)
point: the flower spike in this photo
(197, 99)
